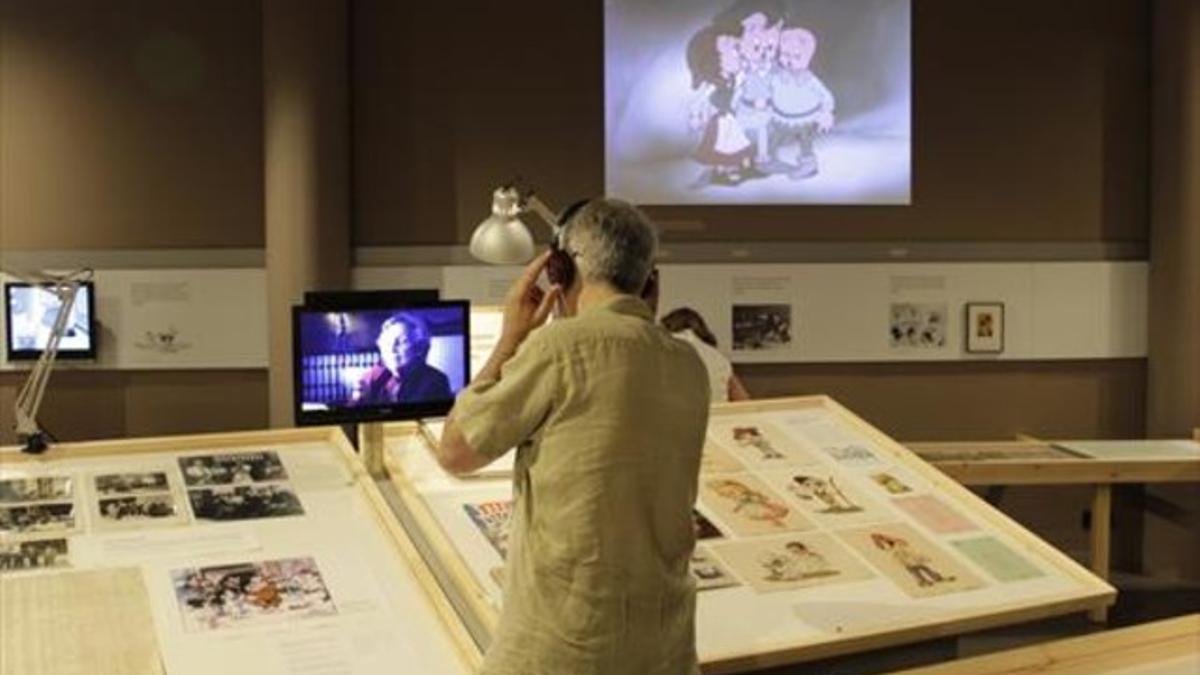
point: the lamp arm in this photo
(29, 398)
(532, 203)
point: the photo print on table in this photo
(42, 489)
(826, 498)
(934, 515)
(716, 459)
(891, 483)
(245, 502)
(762, 327)
(114, 484)
(231, 469)
(998, 560)
(846, 446)
(917, 325)
(851, 454)
(251, 593)
(138, 509)
(791, 561)
(494, 521)
(916, 564)
(748, 506)
(708, 572)
(34, 555)
(758, 445)
(29, 518)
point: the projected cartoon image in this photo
(758, 101)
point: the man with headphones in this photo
(608, 413)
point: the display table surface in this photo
(843, 541)
(258, 552)
(1098, 463)
(1168, 647)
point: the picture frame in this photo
(984, 328)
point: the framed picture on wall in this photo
(985, 327)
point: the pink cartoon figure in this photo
(801, 105)
(715, 64)
(757, 46)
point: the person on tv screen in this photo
(608, 413)
(402, 376)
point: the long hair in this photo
(686, 318)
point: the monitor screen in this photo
(758, 101)
(29, 314)
(356, 364)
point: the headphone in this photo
(560, 267)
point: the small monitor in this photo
(373, 363)
(29, 314)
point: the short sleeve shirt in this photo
(608, 413)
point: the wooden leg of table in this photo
(1101, 541)
(370, 447)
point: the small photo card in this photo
(985, 327)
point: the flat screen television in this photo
(370, 363)
(29, 314)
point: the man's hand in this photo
(527, 306)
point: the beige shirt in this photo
(609, 413)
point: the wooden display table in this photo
(1169, 647)
(268, 552)
(1099, 463)
(858, 544)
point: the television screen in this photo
(361, 364)
(758, 101)
(29, 314)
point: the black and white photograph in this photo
(245, 502)
(917, 325)
(112, 484)
(46, 489)
(762, 327)
(32, 555)
(138, 508)
(251, 593)
(985, 327)
(37, 518)
(233, 469)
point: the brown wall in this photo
(130, 124)
(1029, 123)
(98, 404)
(138, 123)
(973, 400)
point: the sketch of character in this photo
(913, 561)
(890, 483)
(751, 437)
(715, 63)
(750, 504)
(809, 488)
(801, 105)
(794, 563)
(985, 325)
(758, 45)
(851, 454)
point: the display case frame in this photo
(452, 644)
(418, 480)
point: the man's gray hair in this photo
(612, 242)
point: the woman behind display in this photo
(686, 324)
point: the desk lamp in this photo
(29, 399)
(502, 239)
